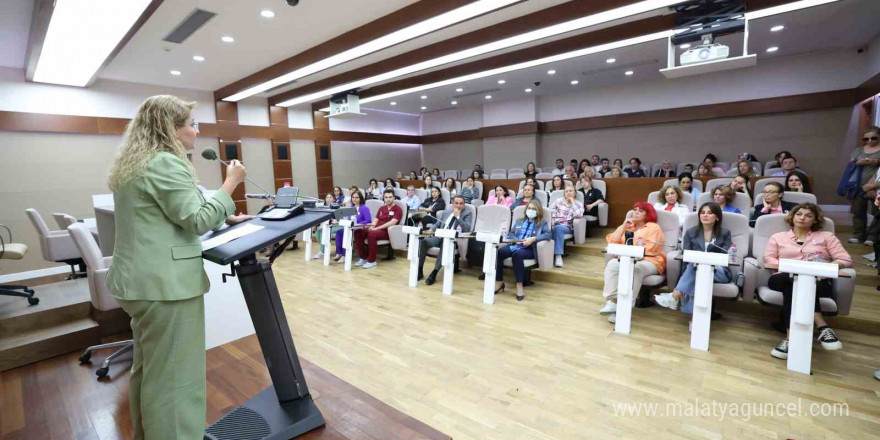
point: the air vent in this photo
(196, 19)
(481, 92)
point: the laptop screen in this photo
(286, 196)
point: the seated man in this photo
(456, 218)
(389, 215)
(789, 164)
(412, 200)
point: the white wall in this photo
(111, 99)
(357, 162)
(253, 111)
(452, 155)
(458, 119)
(302, 160)
(377, 121)
(300, 117)
(510, 112)
(509, 151)
(257, 154)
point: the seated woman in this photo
(708, 236)
(773, 203)
(557, 184)
(435, 173)
(477, 174)
(704, 170)
(449, 185)
(328, 199)
(531, 170)
(615, 172)
(531, 181)
(670, 199)
(647, 233)
(338, 195)
(618, 163)
(582, 168)
(710, 160)
(592, 197)
(373, 191)
(665, 170)
(797, 181)
(635, 168)
(423, 172)
(779, 157)
(413, 176)
(528, 193)
(390, 183)
(686, 183)
(351, 190)
(500, 197)
(740, 184)
(527, 231)
(399, 176)
(428, 183)
(430, 207)
(805, 241)
(563, 213)
(469, 191)
(363, 217)
(588, 171)
(745, 168)
(723, 196)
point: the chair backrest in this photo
(346, 192)
(444, 194)
(723, 165)
(737, 224)
(790, 196)
(479, 186)
(652, 197)
(668, 222)
(541, 196)
(519, 211)
(761, 183)
(450, 173)
(63, 220)
(721, 181)
(498, 176)
(88, 247)
(741, 201)
(556, 195)
(99, 200)
(492, 218)
(423, 194)
(403, 208)
(499, 171)
(543, 176)
(537, 170)
(698, 184)
(516, 176)
(373, 205)
(771, 164)
(515, 170)
(400, 193)
(772, 171)
(37, 220)
(601, 186)
(757, 167)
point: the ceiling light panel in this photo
(78, 40)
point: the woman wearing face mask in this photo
(527, 231)
(805, 241)
(670, 199)
(500, 197)
(708, 236)
(773, 203)
(647, 233)
(723, 196)
(797, 181)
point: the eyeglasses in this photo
(195, 125)
(872, 138)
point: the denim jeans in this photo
(689, 278)
(559, 232)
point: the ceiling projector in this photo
(704, 53)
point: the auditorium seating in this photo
(680, 168)
(721, 181)
(760, 184)
(698, 184)
(493, 219)
(740, 201)
(522, 183)
(790, 196)
(398, 242)
(579, 226)
(461, 243)
(688, 198)
(544, 176)
(545, 248)
(668, 223)
(57, 246)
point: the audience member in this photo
(479, 168)
(710, 160)
(723, 196)
(373, 191)
(779, 156)
(413, 176)
(689, 168)
(745, 168)
(527, 231)
(592, 197)
(618, 163)
(363, 217)
(615, 172)
(533, 182)
(469, 191)
(328, 199)
(557, 184)
(500, 197)
(635, 168)
(589, 172)
(428, 183)
(867, 158)
(399, 176)
(457, 218)
(449, 185)
(435, 173)
(740, 184)
(574, 164)
(390, 183)
(412, 200)
(671, 199)
(388, 215)
(581, 169)
(686, 183)
(647, 233)
(704, 170)
(563, 214)
(477, 174)
(773, 203)
(605, 167)
(789, 164)
(797, 181)
(805, 241)
(560, 167)
(595, 162)
(707, 236)
(569, 172)
(531, 170)
(338, 195)
(428, 210)
(666, 170)
(528, 193)
(748, 157)
(423, 172)
(351, 190)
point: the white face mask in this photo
(531, 213)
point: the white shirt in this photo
(557, 171)
(679, 209)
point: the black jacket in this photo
(786, 206)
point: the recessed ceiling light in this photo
(772, 49)
(501, 81)
(227, 39)
(78, 41)
(528, 90)
(574, 82)
(393, 103)
(198, 58)
(685, 46)
(610, 60)
(488, 96)
(267, 13)
(777, 28)
(424, 108)
(424, 96)
(454, 102)
(551, 72)
(175, 72)
(628, 73)
(459, 90)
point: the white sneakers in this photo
(853, 240)
(612, 319)
(868, 243)
(610, 307)
(558, 262)
(318, 256)
(360, 262)
(369, 265)
(666, 300)
(781, 350)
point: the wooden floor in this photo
(59, 399)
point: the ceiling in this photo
(844, 25)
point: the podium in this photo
(412, 253)
(628, 256)
(490, 257)
(705, 280)
(448, 247)
(347, 240)
(325, 242)
(800, 330)
(285, 410)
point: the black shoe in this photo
(520, 298)
(779, 327)
(420, 276)
(431, 277)
(716, 316)
(482, 277)
(501, 289)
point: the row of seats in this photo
(767, 169)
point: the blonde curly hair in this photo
(152, 131)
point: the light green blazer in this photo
(159, 217)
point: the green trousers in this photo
(318, 234)
(167, 389)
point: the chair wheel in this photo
(85, 357)
(33, 301)
(102, 372)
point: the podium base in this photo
(263, 417)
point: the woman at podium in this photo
(157, 273)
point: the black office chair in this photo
(14, 251)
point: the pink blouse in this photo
(494, 201)
(784, 245)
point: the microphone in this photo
(210, 154)
(259, 196)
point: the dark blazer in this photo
(435, 205)
(694, 241)
(786, 206)
(661, 173)
(542, 233)
(463, 222)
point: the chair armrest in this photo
(673, 269)
(603, 214)
(101, 298)
(750, 283)
(844, 288)
(580, 230)
(61, 247)
(108, 261)
(397, 237)
(545, 255)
